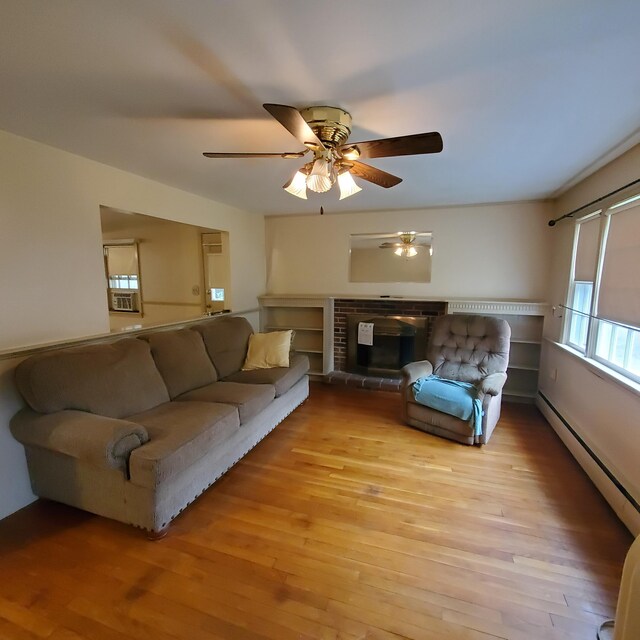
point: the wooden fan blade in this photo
(295, 124)
(293, 154)
(372, 174)
(402, 146)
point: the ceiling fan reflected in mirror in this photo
(407, 247)
(324, 132)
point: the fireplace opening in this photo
(385, 347)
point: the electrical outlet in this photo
(553, 374)
(195, 290)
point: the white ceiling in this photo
(527, 94)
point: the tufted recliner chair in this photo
(470, 349)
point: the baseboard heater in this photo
(618, 485)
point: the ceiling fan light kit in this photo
(324, 131)
(408, 245)
(347, 184)
(406, 252)
(320, 179)
(406, 248)
(297, 186)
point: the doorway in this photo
(216, 271)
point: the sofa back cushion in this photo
(182, 360)
(114, 380)
(226, 340)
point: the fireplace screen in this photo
(395, 341)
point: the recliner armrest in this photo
(95, 439)
(414, 370)
(492, 384)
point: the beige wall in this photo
(51, 269)
(604, 413)
(50, 239)
(483, 251)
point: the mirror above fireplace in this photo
(399, 256)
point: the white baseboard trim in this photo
(625, 507)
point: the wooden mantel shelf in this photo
(454, 305)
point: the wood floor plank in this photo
(343, 524)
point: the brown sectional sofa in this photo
(136, 429)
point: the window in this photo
(603, 315)
(217, 295)
(619, 348)
(123, 281)
(580, 310)
(122, 272)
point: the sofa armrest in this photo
(92, 438)
(492, 384)
(414, 370)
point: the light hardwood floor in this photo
(342, 524)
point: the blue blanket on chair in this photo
(458, 399)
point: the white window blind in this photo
(587, 251)
(122, 260)
(619, 297)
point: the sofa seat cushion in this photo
(182, 360)
(180, 433)
(114, 379)
(282, 378)
(249, 399)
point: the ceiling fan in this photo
(324, 132)
(407, 245)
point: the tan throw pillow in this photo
(267, 350)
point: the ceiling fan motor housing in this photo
(407, 237)
(331, 124)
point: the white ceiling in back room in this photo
(525, 95)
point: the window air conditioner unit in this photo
(124, 301)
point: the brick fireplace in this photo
(395, 341)
(377, 307)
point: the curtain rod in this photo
(552, 223)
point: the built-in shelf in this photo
(526, 321)
(309, 317)
(516, 395)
